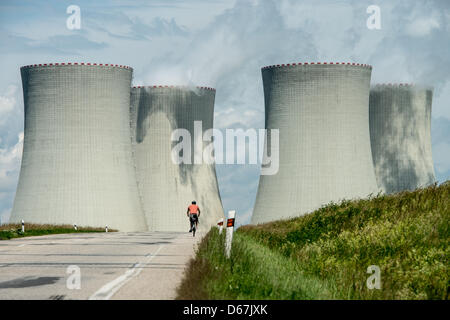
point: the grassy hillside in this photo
(9, 231)
(326, 254)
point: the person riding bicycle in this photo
(193, 212)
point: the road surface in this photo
(110, 265)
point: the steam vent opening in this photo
(167, 188)
(321, 111)
(77, 165)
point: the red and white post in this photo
(220, 225)
(229, 235)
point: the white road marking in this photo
(22, 245)
(109, 289)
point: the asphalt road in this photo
(110, 265)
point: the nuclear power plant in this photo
(167, 188)
(77, 164)
(98, 152)
(400, 126)
(321, 111)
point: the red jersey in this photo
(193, 209)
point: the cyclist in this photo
(193, 212)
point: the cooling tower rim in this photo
(400, 85)
(172, 87)
(66, 64)
(299, 64)
(395, 84)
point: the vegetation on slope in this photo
(9, 231)
(253, 272)
(406, 235)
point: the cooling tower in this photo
(321, 111)
(77, 164)
(400, 125)
(168, 188)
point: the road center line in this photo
(109, 289)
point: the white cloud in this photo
(7, 102)
(11, 144)
(422, 26)
(10, 158)
(226, 48)
(230, 117)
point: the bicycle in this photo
(194, 221)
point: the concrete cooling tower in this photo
(168, 188)
(77, 164)
(321, 111)
(400, 134)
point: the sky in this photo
(223, 44)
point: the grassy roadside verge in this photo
(407, 235)
(10, 231)
(252, 272)
(326, 254)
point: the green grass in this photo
(9, 231)
(326, 254)
(253, 272)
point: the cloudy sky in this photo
(224, 44)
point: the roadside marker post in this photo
(220, 225)
(75, 226)
(106, 229)
(229, 235)
(23, 226)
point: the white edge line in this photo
(109, 289)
